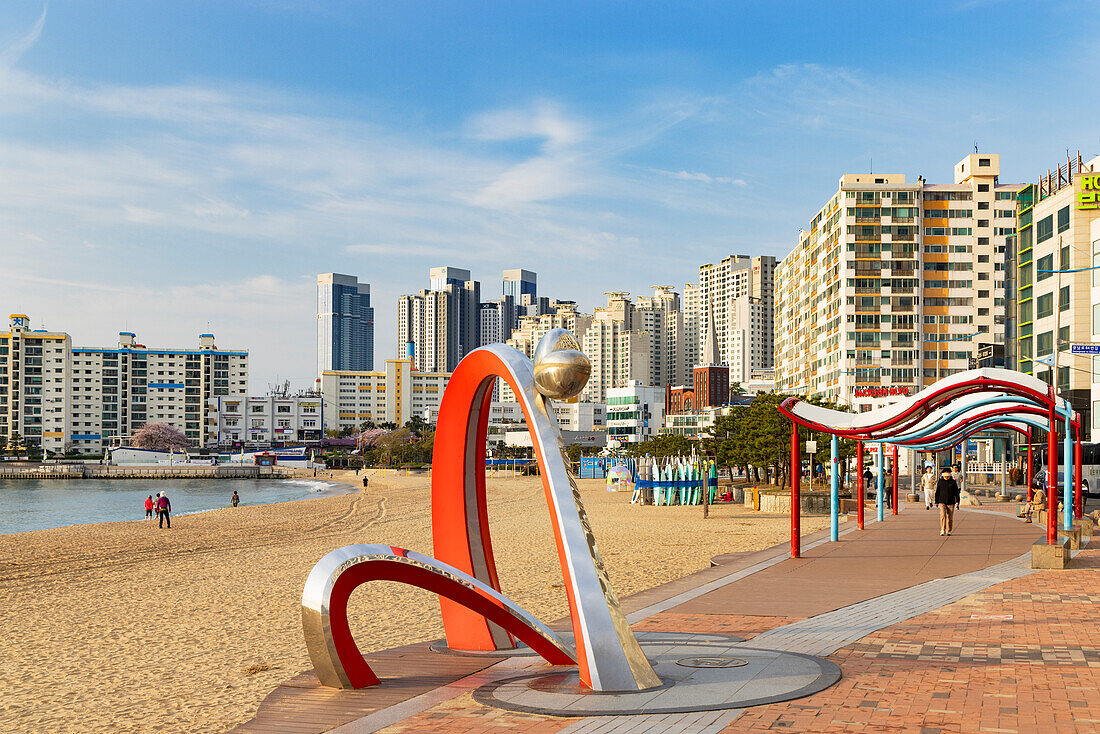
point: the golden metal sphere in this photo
(562, 374)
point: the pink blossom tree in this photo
(159, 437)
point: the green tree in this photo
(662, 446)
(416, 424)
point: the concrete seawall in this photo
(184, 471)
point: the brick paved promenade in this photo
(934, 634)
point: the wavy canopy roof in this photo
(936, 414)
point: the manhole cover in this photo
(714, 662)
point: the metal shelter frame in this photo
(944, 414)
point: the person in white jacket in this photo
(928, 484)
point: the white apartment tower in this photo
(895, 284)
(661, 317)
(35, 386)
(618, 353)
(739, 293)
(423, 325)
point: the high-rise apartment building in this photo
(35, 386)
(661, 317)
(1059, 230)
(463, 304)
(560, 315)
(618, 353)
(84, 399)
(739, 294)
(424, 330)
(345, 323)
(694, 323)
(895, 284)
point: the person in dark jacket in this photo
(163, 508)
(947, 497)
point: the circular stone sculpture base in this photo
(644, 637)
(697, 677)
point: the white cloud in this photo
(701, 177)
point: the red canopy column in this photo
(859, 485)
(894, 452)
(1030, 470)
(1052, 475)
(796, 482)
(1078, 496)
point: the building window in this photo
(1063, 339)
(1044, 305)
(1063, 298)
(1044, 343)
(983, 187)
(1044, 267)
(1064, 258)
(1063, 218)
(1044, 229)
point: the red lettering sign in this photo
(880, 392)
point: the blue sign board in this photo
(1084, 348)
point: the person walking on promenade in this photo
(928, 484)
(149, 508)
(947, 497)
(235, 499)
(163, 508)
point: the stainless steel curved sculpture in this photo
(336, 657)
(475, 615)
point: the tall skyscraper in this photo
(464, 304)
(345, 324)
(518, 283)
(896, 284)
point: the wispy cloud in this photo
(701, 177)
(12, 52)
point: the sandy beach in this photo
(122, 627)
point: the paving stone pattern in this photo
(826, 633)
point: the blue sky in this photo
(169, 168)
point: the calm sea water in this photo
(35, 504)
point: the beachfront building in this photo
(35, 387)
(394, 395)
(268, 420)
(117, 390)
(1058, 220)
(896, 284)
(345, 323)
(635, 411)
(738, 294)
(85, 399)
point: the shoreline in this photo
(337, 488)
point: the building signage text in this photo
(881, 392)
(1087, 197)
